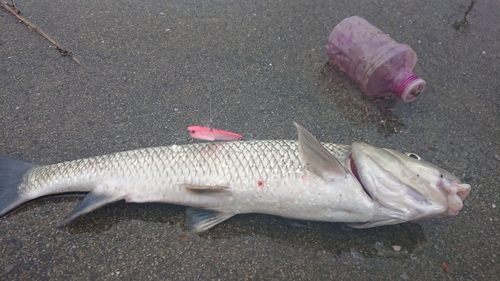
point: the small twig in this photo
(367, 112)
(384, 122)
(464, 23)
(16, 12)
(14, 6)
(469, 8)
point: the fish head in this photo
(403, 187)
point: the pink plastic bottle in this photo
(379, 64)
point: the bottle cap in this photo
(411, 88)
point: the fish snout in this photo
(456, 194)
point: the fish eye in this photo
(413, 155)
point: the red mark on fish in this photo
(211, 134)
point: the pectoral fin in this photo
(94, 200)
(199, 220)
(205, 188)
(316, 158)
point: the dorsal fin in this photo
(316, 158)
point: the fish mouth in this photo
(354, 171)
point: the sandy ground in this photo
(154, 67)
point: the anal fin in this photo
(198, 220)
(93, 200)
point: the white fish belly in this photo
(306, 196)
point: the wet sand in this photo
(156, 67)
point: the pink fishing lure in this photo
(211, 134)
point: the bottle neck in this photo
(408, 87)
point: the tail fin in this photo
(12, 172)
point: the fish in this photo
(358, 184)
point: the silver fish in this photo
(359, 184)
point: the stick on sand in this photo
(15, 12)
